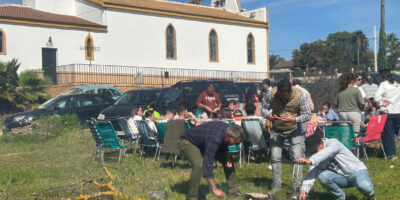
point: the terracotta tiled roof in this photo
(22, 14)
(165, 7)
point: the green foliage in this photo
(393, 50)
(341, 50)
(21, 91)
(274, 60)
(54, 126)
(382, 57)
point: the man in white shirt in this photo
(339, 168)
(358, 81)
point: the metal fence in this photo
(133, 76)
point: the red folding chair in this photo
(373, 133)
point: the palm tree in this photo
(382, 60)
(32, 90)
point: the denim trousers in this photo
(391, 128)
(296, 140)
(333, 182)
(193, 154)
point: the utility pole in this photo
(375, 54)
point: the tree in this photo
(382, 62)
(20, 92)
(310, 56)
(393, 49)
(274, 60)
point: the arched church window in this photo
(2, 42)
(89, 50)
(213, 46)
(250, 49)
(171, 42)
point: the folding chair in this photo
(99, 143)
(255, 134)
(129, 135)
(174, 129)
(237, 149)
(344, 132)
(373, 133)
(109, 138)
(148, 139)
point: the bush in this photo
(54, 126)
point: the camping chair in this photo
(147, 138)
(129, 135)
(161, 130)
(99, 143)
(344, 132)
(255, 135)
(373, 133)
(109, 138)
(174, 130)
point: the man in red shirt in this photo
(209, 101)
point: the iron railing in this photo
(74, 74)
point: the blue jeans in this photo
(391, 128)
(296, 140)
(333, 182)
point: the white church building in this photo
(132, 36)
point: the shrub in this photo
(54, 126)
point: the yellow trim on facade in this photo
(91, 56)
(185, 15)
(52, 24)
(166, 43)
(216, 47)
(253, 49)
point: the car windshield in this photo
(48, 103)
(138, 97)
(224, 87)
(72, 91)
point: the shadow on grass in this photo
(183, 188)
(328, 196)
(259, 181)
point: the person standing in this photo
(297, 84)
(209, 101)
(358, 79)
(339, 168)
(266, 90)
(388, 96)
(204, 143)
(288, 108)
(369, 87)
(350, 102)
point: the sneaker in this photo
(371, 197)
(295, 194)
(393, 158)
(274, 190)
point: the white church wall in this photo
(139, 39)
(89, 11)
(258, 14)
(65, 7)
(25, 42)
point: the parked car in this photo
(191, 90)
(249, 89)
(85, 106)
(165, 98)
(377, 78)
(106, 90)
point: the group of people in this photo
(288, 107)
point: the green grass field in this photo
(42, 166)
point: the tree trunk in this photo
(382, 15)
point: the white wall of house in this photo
(89, 11)
(138, 39)
(25, 42)
(65, 7)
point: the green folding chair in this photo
(109, 138)
(344, 132)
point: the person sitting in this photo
(150, 106)
(183, 114)
(136, 115)
(372, 110)
(209, 101)
(327, 113)
(339, 167)
(149, 117)
(233, 107)
(169, 115)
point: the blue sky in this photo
(294, 22)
